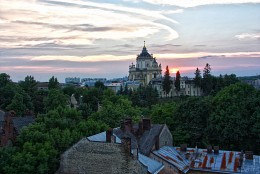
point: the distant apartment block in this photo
(93, 80)
(72, 80)
(255, 83)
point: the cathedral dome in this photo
(144, 53)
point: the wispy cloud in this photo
(189, 3)
(248, 36)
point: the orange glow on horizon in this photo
(174, 70)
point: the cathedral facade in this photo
(145, 69)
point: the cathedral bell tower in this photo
(145, 69)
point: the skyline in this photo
(101, 38)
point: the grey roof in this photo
(153, 166)
(208, 162)
(171, 155)
(20, 122)
(144, 54)
(146, 141)
(251, 166)
(101, 137)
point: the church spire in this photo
(144, 44)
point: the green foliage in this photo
(17, 104)
(55, 99)
(235, 111)
(114, 109)
(99, 85)
(53, 83)
(163, 113)
(40, 144)
(177, 81)
(69, 90)
(4, 79)
(190, 120)
(197, 79)
(144, 96)
(167, 83)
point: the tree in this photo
(4, 79)
(100, 85)
(233, 116)
(167, 83)
(197, 79)
(17, 104)
(55, 99)
(206, 71)
(126, 91)
(28, 85)
(177, 82)
(207, 82)
(53, 83)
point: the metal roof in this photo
(171, 155)
(153, 166)
(223, 162)
(101, 137)
(251, 166)
(20, 122)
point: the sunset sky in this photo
(101, 38)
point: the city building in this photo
(145, 69)
(187, 87)
(72, 80)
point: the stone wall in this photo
(98, 157)
(165, 137)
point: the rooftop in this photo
(219, 161)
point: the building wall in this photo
(165, 137)
(9, 136)
(98, 157)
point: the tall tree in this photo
(197, 79)
(167, 83)
(207, 82)
(4, 79)
(206, 71)
(53, 83)
(177, 82)
(28, 85)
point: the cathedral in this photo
(146, 68)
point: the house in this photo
(125, 149)
(10, 126)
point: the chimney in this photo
(157, 142)
(122, 126)
(241, 158)
(146, 124)
(109, 134)
(128, 124)
(209, 149)
(183, 147)
(126, 142)
(140, 128)
(249, 155)
(113, 139)
(216, 150)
